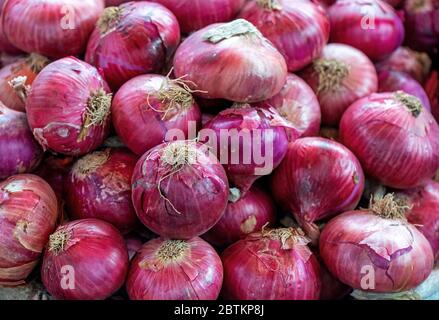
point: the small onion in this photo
(28, 213)
(84, 260)
(180, 190)
(271, 265)
(133, 39)
(298, 29)
(68, 107)
(339, 77)
(175, 270)
(395, 138)
(231, 61)
(376, 250)
(99, 186)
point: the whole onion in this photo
(249, 214)
(297, 104)
(5, 45)
(196, 14)
(84, 260)
(99, 186)
(395, 138)
(298, 29)
(153, 104)
(339, 77)
(167, 269)
(180, 190)
(16, 80)
(53, 28)
(133, 39)
(371, 26)
(318, 179)
(271, 265)
(249, 141)
(231, 61)
(68, 107)
(19, 151)
(28, 213)
(376, 250)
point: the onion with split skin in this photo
(167, 269)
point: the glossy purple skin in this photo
(19, 151)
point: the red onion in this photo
(175, 270)
(390, 81)
(84, 260)
(249, 214)
(394, 137)
(318, 179)
(340, 76)
(432, 90)
(16, 79)
(5, 45)
(297, 104)
(133, 39)
(20, 152)
(298, 29)
(153, 104)
(68, 107)
(271, 265)
(28, 213)
(231, 61)
(99, 186)
(376, 250)
(371, 26)
(249, 141)
(55, 28)
(196, 14)
(180, 190)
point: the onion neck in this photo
(331, 74)
(109, 19)
(268, 4)
(178, 154)
(288, 237)
(37, 62)
(389, 207)
(239, 27)
(412, 103)
(172, 250)
(58, 241)
(90, 163)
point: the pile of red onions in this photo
(133, 39)
(157, 105)
(84, 260)
(28, 213)
(20, 152)
(167, 269)
(298, 29)
(68, 107)
(340, 76)
(395, 138)
(271, 265)
(318, 179)
(173, 185)
(376, 250)
(56, 28)
(371, 26)
(99, 186)
(231, 61)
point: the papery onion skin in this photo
(264, 268)
(20, 153)
(196, 14)
(171, 200)
(244, 67)
(318, 179)
(28, 213)
(298, 29)
(394, 146)
(55, 28)
(68, 107)
(138, 108)
(249, 214)
(99, 186)
(371, 26)
(96, 253)
(339, 77)
(298, 104)
(133, 39)
(175, 270)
